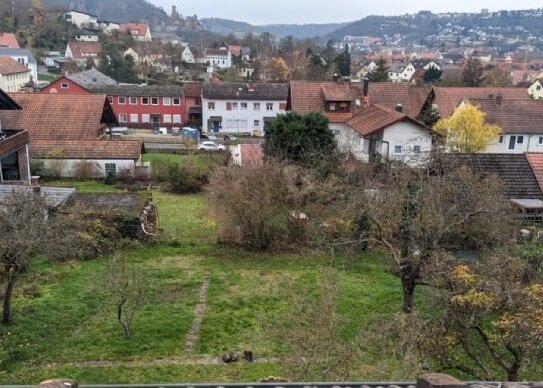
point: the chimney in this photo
(35, 183)
(499, 99)
(399, 108)
(365, 102)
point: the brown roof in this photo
(447, 99)
(212, 51)
(306, 97)
(375, 118)
(536, 162)
(88, 149)
(512, 115)
(339, 92)
(84, 50)
(7, 39)
(193, 90)
(235, 50)
(139, 28)
(9, 65)
(57, 116)
(514, 170)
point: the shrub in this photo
(110, 178)
(85, 169)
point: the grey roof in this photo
(91, 78)
(54, 196)
(12, 52)
(140, 90)
(514, 170)
(244, 91)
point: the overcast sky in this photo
(325, 11)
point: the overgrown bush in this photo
(180, 178)
(275, 205)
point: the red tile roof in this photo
(306, 97)
(8, 39)
(235, 50)
(375, 118)
(536, 163)
(448, 98)
(84, 50)
(57, 116)
(9, 65)
(88, 149)
(339, 92)
(513, 115)
(140, 29)
(338, 117)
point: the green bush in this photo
(179, 178)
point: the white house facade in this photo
(377, 132)
(218, 58)
(13, 75)
(24, 57)
(81, 19)
(237, 108)
(187, 55)
(535, 90)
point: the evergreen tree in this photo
(473, 72)
(379, 74)
(343, 63)
(432, 75)
(306, 140)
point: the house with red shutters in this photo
(146, 106)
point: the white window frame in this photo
(145, 118)
(156, 99)
(119, 100)
(143, 103)
(242, 107)
(177, 119)
(110, 167)
(135, 100)
(256, 106)
(256, 123)
(269, 106)
(167, 119)
(396, 151)
(134, 116)
(64, 85)
(235, 106)
(166, 101)
(121, 115)
(178, 101)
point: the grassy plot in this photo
(65, 322)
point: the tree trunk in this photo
(6, 313)
(408, 286)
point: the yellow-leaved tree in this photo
(466, 130)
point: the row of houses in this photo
(67, 132)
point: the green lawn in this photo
(48, 77)
(65, 324)
(199, 159)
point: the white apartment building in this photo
(239, 108)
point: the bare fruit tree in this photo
(27, 231)
(128, 289)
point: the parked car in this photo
(203, 136)
(230, 138)
(211, 146)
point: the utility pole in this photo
(13, 9)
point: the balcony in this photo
(13, 141)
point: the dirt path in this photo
(199, 312)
